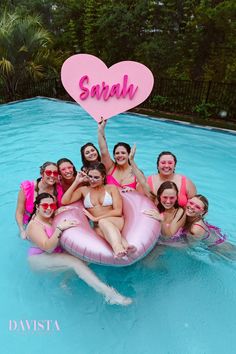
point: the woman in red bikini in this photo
(119, 172)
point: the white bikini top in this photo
(107, 201)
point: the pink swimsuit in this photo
(111, 180)
(34, 250)
(182, 196)
(28, 188)
(213, 236)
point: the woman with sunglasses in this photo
(199, 231)
(89, 155)
(46, 253)
(119, 171)
(67, 173)
(169, 213)
(30, 189)
(103, 206)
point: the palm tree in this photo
(24, 48)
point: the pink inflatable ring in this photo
(139, 230)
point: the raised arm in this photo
(105, 155)
(20, 209)
(140, 176)
(74, 193)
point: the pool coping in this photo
(166, 120)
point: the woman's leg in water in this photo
(64, 261)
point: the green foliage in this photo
(159, 102)
(205, 110)
(23, 49)
(181, 39)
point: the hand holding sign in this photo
(106, 91)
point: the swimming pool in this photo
(185, 304)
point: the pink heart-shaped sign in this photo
(104, 91)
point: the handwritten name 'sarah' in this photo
(104, 91)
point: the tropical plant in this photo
(24, 50)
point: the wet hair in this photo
(99, 167)
(165, 153)
(85, 162)
(64, 159)
(161, 189)
(38, 200)
(42, 169)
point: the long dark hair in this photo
(64, 159)
(84, 161)
(125, 145)
(42, 169)
(38, 200)
(161, 189)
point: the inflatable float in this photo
(139, 230)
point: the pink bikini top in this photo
(213, 234)
(112, 180)
(34, 250)
(28, 188)
(182, 196)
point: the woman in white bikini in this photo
(103, 206)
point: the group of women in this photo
(178, 208)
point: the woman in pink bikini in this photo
(48, 182)
(199, 231)
(67, 173)
(166, 163)
(119, 172)
(169, 213)
(46, 253)
(103, 206)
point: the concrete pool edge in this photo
(166, 120)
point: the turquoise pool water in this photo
(184, 304)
